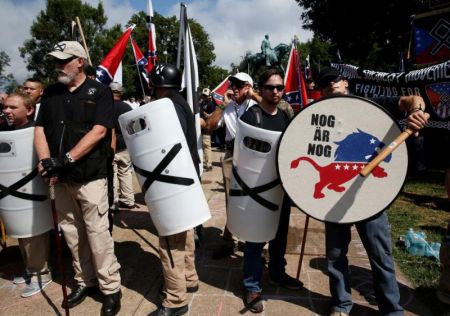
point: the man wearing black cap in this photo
(72, 140)
(374, 232)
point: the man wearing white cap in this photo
(241, 84)
(72, 140)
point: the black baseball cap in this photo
(327, 75)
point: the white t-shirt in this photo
(230, 115)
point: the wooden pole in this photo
(302, 251)
(84, 41)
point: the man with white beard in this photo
(72, 139)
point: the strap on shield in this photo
(12, 190)
(253, 192)
(156, 175)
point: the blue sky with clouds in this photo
(234, 26)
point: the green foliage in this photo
(370, 34)
(5, 79)
(54, 25)
(416, 207)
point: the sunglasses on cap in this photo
(271, 87)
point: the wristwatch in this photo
(69, 158)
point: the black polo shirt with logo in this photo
(67, 116)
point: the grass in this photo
(417, 207)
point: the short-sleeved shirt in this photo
(67, 116)
(120, 108)
(230, 115)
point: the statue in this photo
(269, 54)
(269, 57)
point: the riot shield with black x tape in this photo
(164, 167)
(255, 192)
(24, 204)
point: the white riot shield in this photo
(24, 204)
(164, 167)
(325, 147)
(255, 192)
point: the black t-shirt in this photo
(277, 122)
(187, 121)
(67, 116)
(120, 107)
(6, 127)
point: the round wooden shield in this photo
(323, 150)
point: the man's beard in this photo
(66, 79)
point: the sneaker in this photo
(24, 278)
(287, 282)
(253, 302)
(34, 287)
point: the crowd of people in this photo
(82, 154)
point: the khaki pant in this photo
(35, 253)
(83, 217)
(207, 160)
(123, 178)
(183, 273)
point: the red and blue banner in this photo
(295, 89)
(108, 67)
(432, 36)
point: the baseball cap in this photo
(67, 49)
(242, 76)
(115, 86)
(327, 75)
(206, 91)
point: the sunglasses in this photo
(271, 88)
(238, 84)
(64, 61)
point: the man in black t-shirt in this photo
(177, 251)
(123, 176)
(270, 118)
(72, 139)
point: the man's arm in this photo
(40, 143)
(411, 103)
(212, 121)
(88, 142)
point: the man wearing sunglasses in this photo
(72, 139)
(267, 115)
(241, 84)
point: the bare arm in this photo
(88, 142)
(40, 143)
(415, 106)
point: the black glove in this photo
(52, 166)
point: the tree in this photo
(7, 81)
(54, 25)
(367, 33)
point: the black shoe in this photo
(286, 281)
(79, 294)
(192, 289)
(111, 304)
(253, 302)
(166, 311)
(225, 250)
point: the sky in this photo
(234, 26)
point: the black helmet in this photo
(165, 75)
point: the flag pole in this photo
(84, 41)
(137, 68)
(180, 34)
